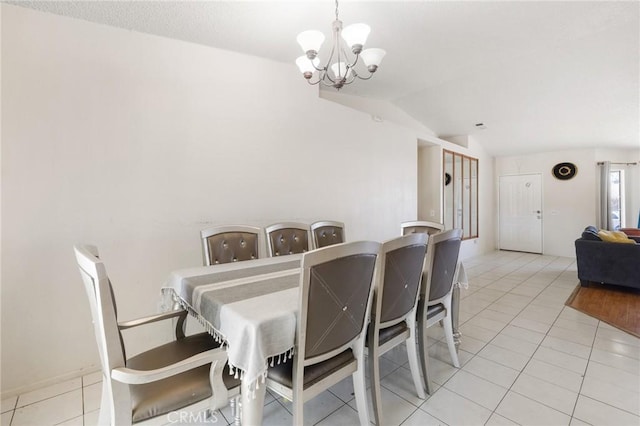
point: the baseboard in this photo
(48, 382)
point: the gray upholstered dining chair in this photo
(287, 238)
(393, 315)
(434, 306)
(326, 233)
(186, 373)
(230, 243)
(421, 226)
(335, 301)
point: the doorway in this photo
(520, 213)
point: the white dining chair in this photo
(185, 374)
(326, 233)
(335, 301)
(231, 243)
(434, 306)
(287, 238)
(393, 315)
(420, 226)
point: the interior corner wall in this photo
(568, 206)
(430, 183)
(135, 143)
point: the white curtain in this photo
(605, 196)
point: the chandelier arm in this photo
(325, 69)
(346, 56)
(326, 77)
(355, 74)
(355, 61)
(324, 83)
(333, 50)
(319, 69)
(336, 44)
(365, 78)
(353, 77)
(353, 64)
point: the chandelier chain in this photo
(336, 10)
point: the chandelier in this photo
(342, 68)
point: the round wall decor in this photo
(447, 179)
(564, 171)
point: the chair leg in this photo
(412, 353)
(374, 375)
(298, 410)
(423, 342)
(448, 333)
(234, 404)
(360, 389)
(237, 419)
(104, 417)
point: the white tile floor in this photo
(526, 359)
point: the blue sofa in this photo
(607, 263)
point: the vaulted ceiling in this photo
(540, 76)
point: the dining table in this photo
(251, 308)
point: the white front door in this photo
(521, 213)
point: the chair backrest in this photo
(442, 259)
(104, 315)
(326, 233)
(230, 243)
(423, 226)
(287, 238)
(400, 275)
(335, 299)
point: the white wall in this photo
(135, 143)
(430, 183)
(568, 206)
(382, 110)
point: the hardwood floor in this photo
(615, 305)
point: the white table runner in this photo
(250, 307)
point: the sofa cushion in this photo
(614, 237)
(591, 233)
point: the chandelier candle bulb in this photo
(372, 58)
(356, 36)
(307, 66)
(310, 41)
(341, 71)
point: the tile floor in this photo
(526, 359)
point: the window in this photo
(460, 193)
(616, 189)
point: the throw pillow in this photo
(622, 237)
(614, 237)
(591, 233)
(591, 228)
